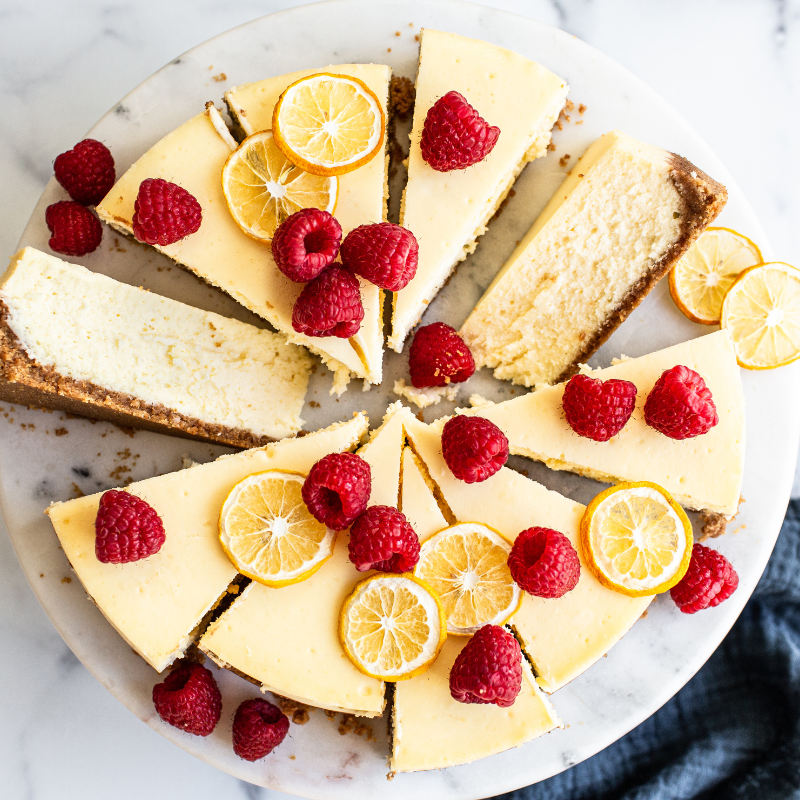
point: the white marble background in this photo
(731, 67)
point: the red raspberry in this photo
(337, 489)
(598, 409)
(439, 356)
(76, 231)
(189, 699)
(330, 305)
(680, 405)
(306, 243)
(384, 254)
(86, 171)
(127, 529)
(709, 580)
(164, 213)
(544, 563)
(382, 539)
(488, 669)
(455, 135)
(473, 448)
(258, 728)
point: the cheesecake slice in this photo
(625, 214)
(157, 604)
(448, 211)
(81, 342)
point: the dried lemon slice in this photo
(636, 539)
(269, 534)
(699, 281)
(328, 124)
(262, 187)
(392, 626)
(467, 566)
(762, 313)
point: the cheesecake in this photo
(159, 603)
(448, 211)
(624, 215)
(81, 342)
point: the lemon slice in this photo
(392, 626)
(269, 534)
(699, 281)
(328, 124)
(262, 187)
(467, 566)
(636, 539)
(762, 313)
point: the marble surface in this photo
(65, 734)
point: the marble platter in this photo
(47, 457)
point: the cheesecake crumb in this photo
(503, 204)
(77, 491)
(416, 38)
(563, 160)
(41, 574)
(569, 105)
(313, 404)
(714, 525)
(644, 614)
(351, 723)
(61, 432)
(292, 758)
(551, 147)
(559, 125)
(401, 96)
(330, 714)
(297, 712)
(66, 579)
(219, 78)
(397, 33)
(581, 109)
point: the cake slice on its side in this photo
(626, 213)
(81, 342)
(157, 604)
(448, 211)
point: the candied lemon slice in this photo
(762, 313)
(699, 281)
(262, 187)
(636, 539)
(328, 124)
(392, 626)
(269, 534)
(467, 566)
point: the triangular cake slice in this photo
(448, 211)
(625, 214)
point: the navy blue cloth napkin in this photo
(734, 730)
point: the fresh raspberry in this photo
(127, 529)
(337, 489)
(258, 728)
(76, 231)
(544, 563)
(384, 254)
(306, 243)
(473, 448)
(598, 409)
(680, 405)
(488, 669)
(330, 305)
(455, 135)
(86, 171)
(439, 356)
(382, 539)
(709, 580)
(164, 213)
(189, 699)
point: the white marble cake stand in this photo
(50, 458)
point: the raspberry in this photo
(337, 489)
(126, 529)
(164, 213)
(330, 305)
(76, 231)
(488, 669)
(189, 699)
(455, 135)
(258, 728)
(473, 448)
(680, 405)
(544, 563)
(306, 243)
(86, 171)
(439, 356)
(709, 580)
(598, 409)
(382, 539)
(384, 254)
